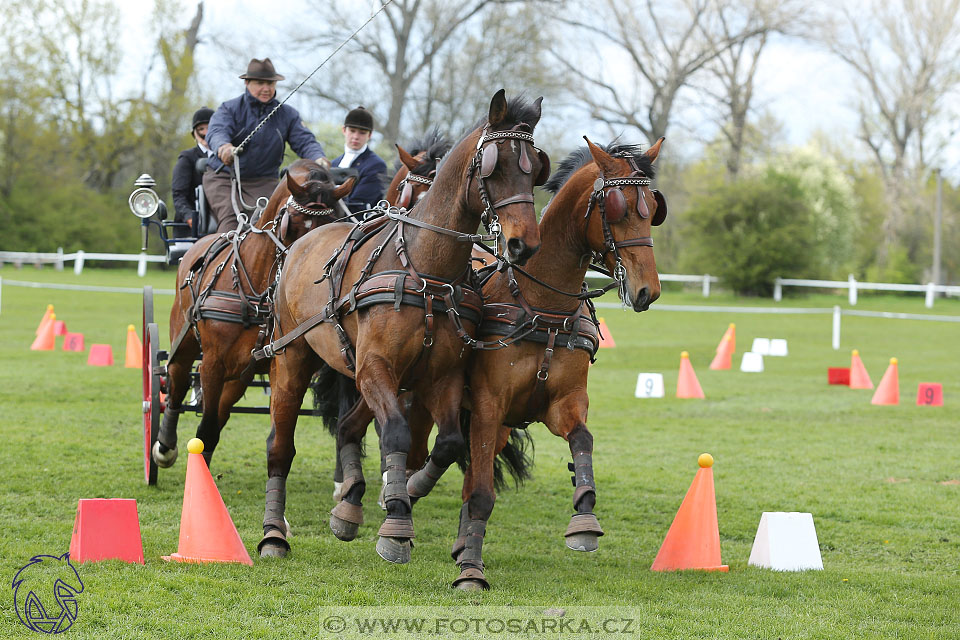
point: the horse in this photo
(223, 301)
(602, 210)
(415, 171)
(384, 331)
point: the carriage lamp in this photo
(144, 201)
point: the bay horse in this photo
(223, 300)
(384, 330)
(602, 210)
(415, 171)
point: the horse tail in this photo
(516, 459)
(326, 396)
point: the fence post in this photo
(931, 292)
(853, 290)
(836, 327)
(78, 262)
(59, 263)
(142, 265)
(706, 285)
(777, 290)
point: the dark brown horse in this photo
(603, 210)
(389, 306)
(223, 299)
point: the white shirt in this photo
(349, 155)
(206, 150)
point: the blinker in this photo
(615, 205)
(406, 195)
(488, 160)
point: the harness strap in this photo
(520, 197)
(539, 396)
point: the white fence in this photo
(57, 259)
(704, 280)
(930, 289)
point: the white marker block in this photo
(752, 362)
(761, 346)
(786, 542)
(649, 385)
(778, 347)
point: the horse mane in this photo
(433, 144)
(581, 157)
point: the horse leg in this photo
(230, 394)
(347, 516)
(479, 498)
(208, 431)
(347, 397)
(289, 378)
(567, 419)
(443, 401)
(378, 384)
(178, 384)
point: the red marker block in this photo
(930, 394)
(73, 342)
(101, 355)
(838, 375)
(106, 530)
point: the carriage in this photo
(146, 204)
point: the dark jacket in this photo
(184, 185)
(261, 158)
(369, 188)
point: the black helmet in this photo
(202, 116)
(359, 118)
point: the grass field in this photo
(883, 485)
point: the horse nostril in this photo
(642, 301)
(516, 247)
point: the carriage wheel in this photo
(151, 399)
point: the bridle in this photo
(405, 189)
(485, 161)
(608, 197)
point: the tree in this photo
(662, 47)
(907, 57)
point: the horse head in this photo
(624, 208)
(505, 169)
(412, 180)
(311, 199)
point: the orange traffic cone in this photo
(888, 391)
(687, 384)
(859, 378)
(606, 338)
(44, 319)
(693, 541)
(207, 534)
(134, 349)
(731, 333)
(45, 340)
(724, 356)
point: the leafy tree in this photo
(753, 231)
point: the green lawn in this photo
(883, 484)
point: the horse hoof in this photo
(337, 491)
(583, 541)
(344, 530)
(164, 460)
(471, 585)
(273, 550)
(395, 550)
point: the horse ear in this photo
(536, 105)
(654, 150)
(498, 108)
(604, 160)
(408, 160)
(296, 189)
(344, 190)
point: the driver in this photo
(263, 154)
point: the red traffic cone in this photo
(731, 333)
(101, 355)
(207, 534)
(687, 384)
(44, 319)
(606, 338)
(888, 391)
(45, 340)
(106, 530)
(724, 358)
(859, 378)
(693, 541)
(134, 358)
